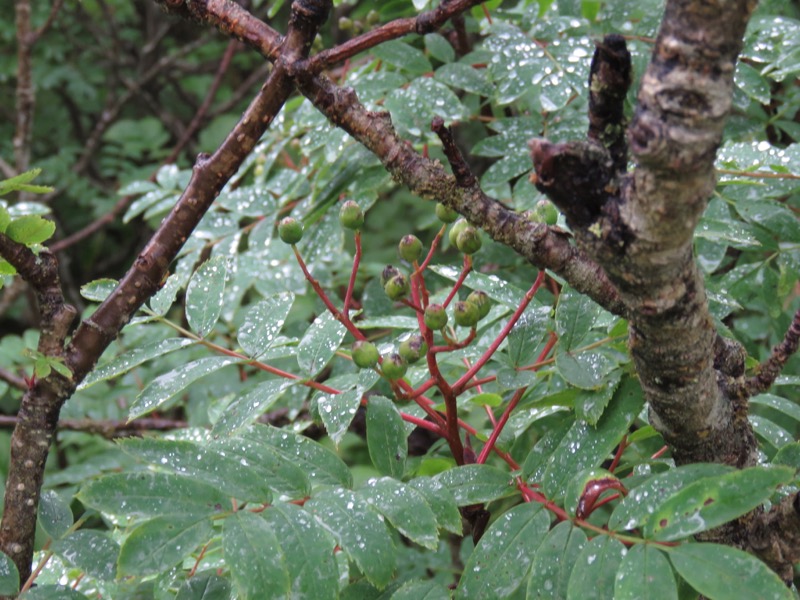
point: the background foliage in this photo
(261, 477)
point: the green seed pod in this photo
(466, 314)
(290, 230)
(396, 287)
(435, 317)
(469, 240)
(544, 212)
(413, 348)
(365, 354)
(388, 272)
(457, 228)
(445, 214)
(394, 366)
(482, 301)
(351, 216)
(410, 248)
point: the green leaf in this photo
(359, 529)
(386, 437)
(133, 358)
(554, 561)
(590, 404)
(9, 576)
(205, 293)
(643, 500)
(320, 464)
(308, 551)
(55, 515)
(234, 476)
(403, 56)
(645, 574)
(254, 556)
(52, 592)
(337, 412)
(99, 289)
(205, 586)
(250, 405)
(464, 77)
(164, 387)
(441, 501)
(439, 48)
(525, 337)
(585, 370)
(161, 543)
(476, 484)
(147, 494)
(93, 552)
(5, 218)
(320, 343)
(575, 315)
(30, 229)
(422, 590)
(263, 322)
(496, 288)
(787, 407)
(502, 559)
(538, 458)
(20, 183)
(721, 572)
(594, 571)
(405, 508)
(584, 446)
(713, 501)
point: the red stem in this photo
(512, 404)
(464, 272)
(348, 297)
(620, 449)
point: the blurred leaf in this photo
(645, 574)
(554, 561)
(204, 295)
(91, 551)
(55, 515)
(386, 437)
(593, 574)
(159, 544)
(9, 576)
(30, 229)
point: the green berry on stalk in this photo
(410, 248)
(365, 354)
(394, 366)
(466, 314)
(290, 230)
(544, 212)
(388, 272)
(435, 317)
(396, 287)
(445, 214)
(457, 228)
(345, 24)
(482, 301)
(469, 240)
(413, 348)
(350, 215)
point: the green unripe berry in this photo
(445, 214)
(365, 354)
(410, 248)
(482, 301)
(394, 366)
(413, 348)
(457, 228)
(466, 314)
(345, 24)
(388, 272)
(435, 317)
(544, 212)
(290, 230)
(469, 240)
(396, 287)
(373, 17)
(350, 215)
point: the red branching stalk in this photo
(348, 297)
(462, 276)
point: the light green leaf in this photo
(502, 559)
(166, 386)
(99, 289)
(441, 501)
(308, 551)
(320, 343)
(359, 529)
(422, 590)
(53, 592)
(263, 322)
(403, 56)
(254, 556)
(93, 552)
(161, 543)
(55, 515)
(205, 293)
(146, 494)
(248, 406)
(496, 288)
(645, 574)
(439, 47)
(575, 315)
(30, 229)
(721, 572)
(337, 411)
(476, 484)
(595, 568)
(9, 576)
(713, 501)
(405, 508)
(554, 561)
(205, 586)
(386, 437)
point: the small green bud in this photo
(410, 248)
(345, 24)
(365, 354)
(482, 301)
(388, 272)
(445, 214)
(544, 212)
(469, 240)
(457, 228)
(396, 287)
(373, 17)
(466, 314)
(394, 366)
(413, 348)
(351, 216)
(290, 230)
(435, 317)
